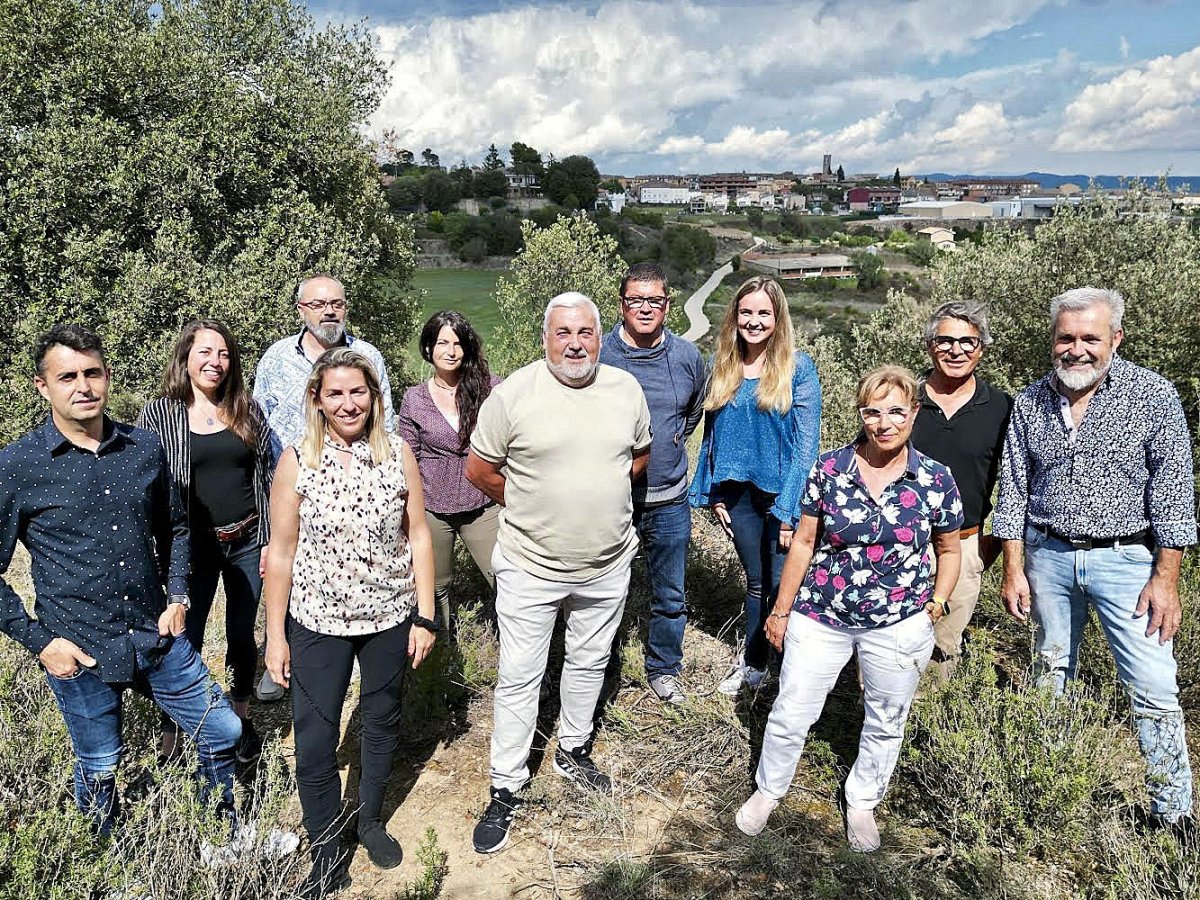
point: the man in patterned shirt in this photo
(283, 372)
(1096, 507)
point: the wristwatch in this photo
(182, 599)
(428, 624)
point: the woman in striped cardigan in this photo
(218, 449)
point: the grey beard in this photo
(328, 333)
(574, 373)
(1079, 380)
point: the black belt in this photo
(1088, 543)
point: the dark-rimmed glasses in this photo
(945, 343)
(639, 302)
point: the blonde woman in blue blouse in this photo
(761, 426)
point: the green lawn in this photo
(469, 291)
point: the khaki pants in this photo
(477, 528)
(948, 631)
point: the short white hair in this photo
(1083, 298)
(571, 300)
(320, 276)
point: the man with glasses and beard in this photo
(961, 422)
(283, 372)
(1096, 507)
(557, 445)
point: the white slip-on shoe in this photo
(752, 817)
(861, 830)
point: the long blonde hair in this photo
(315, 424)
(774, 390)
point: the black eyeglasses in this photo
(639, 302)
(945, 343)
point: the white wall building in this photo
(660, 194)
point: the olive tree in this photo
(163, 160)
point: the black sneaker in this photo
(249, 747)
(382, 849)
(491, 834)
(577, 766)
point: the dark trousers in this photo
(756, 539)
(321, 668)
(237, 564)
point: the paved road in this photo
(698, 323)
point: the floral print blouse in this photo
(353, 570)
(873, 560)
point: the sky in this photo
(1089, 87)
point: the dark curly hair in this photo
(474, 378)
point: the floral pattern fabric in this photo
(873, 560)
(353, 569)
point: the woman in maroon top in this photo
(436, 420)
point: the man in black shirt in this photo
(961, 423)
(93, 503)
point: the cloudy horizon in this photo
(673, 86)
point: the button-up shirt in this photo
(103, 529)
(1127, 468)
(280, 380)
(872, 565)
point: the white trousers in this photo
(526, 609)
(890, 659)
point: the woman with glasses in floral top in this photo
(859, 578)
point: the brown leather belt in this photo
(965, 533)
(227, 534)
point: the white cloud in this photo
(1155, 107)
(763, 83)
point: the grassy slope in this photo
(467, 290)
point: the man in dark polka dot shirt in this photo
(93, 503)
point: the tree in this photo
(570, 255)
(870, 269)
(492, 162)
(572, 176)
(841, 174)
(464, 179)
(896, 177)
(526, 160)
(612, 185)
(754, 217)
(430, 160)
(439, 191)
(405, 193)
(163, 160)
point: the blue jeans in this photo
(665, 532)
(756, 539)
(1063, 582)
(183, 688)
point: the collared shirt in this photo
(103, 529)
(353, 571)
(1128, 467)
(280, 380)
(873, 560)
(970, 442)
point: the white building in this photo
(614, 201)
(1032, 207)
(945, 209)
(662, 194)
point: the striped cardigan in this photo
(169, 420)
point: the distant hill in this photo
(1050, 181)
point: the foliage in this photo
(166, 160)
(754, 217)
(683, 249)
(921, 252)
(526, 160)
(405, 193)
(439, 191)
(572, 177)
(464, 179)
(432, 859)
(570, 255)
(870, 269)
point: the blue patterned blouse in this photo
(872, 562)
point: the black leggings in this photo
(321, 668)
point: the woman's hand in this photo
(935, 611)
(776, 628)
(785, 536)
(278, 659)
(420, 642)
(722, 516)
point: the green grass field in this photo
(469, 291)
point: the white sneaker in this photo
(268, 691)
(276, 845)
(742, 676)
(667, 689)
(861, 830)
(752, 817)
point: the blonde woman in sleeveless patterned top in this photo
(349, 575)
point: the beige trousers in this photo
(477, 528)
(948, 632)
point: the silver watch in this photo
(182, 599)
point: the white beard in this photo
(1076, 379)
